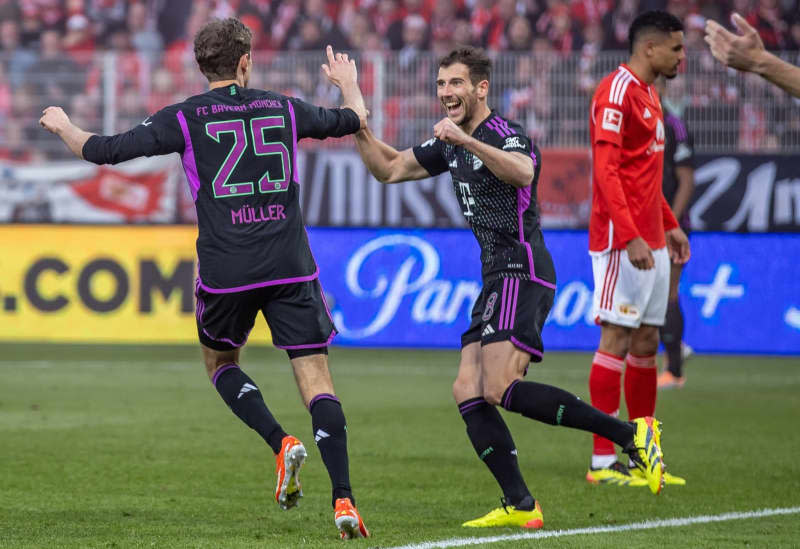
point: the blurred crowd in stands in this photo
(48, 56)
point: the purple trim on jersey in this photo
(322, 396)
(524, 347)
(500, 126)
(523, 201)
(226, 340)
(294, 142)
(514, 304)
(221, 369)
(535, 162)
(294, 280)
(681, 134)
(187, 158)
(507, 400)
(470, 405)
(309, 345)
(534, 278)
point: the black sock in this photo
(672, 336)
(558, 407)
(330, 433)
(243, 397)
(492, 441)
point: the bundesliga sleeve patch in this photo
(612, 120)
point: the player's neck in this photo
(642, 70)
(483, 113)
(224, 83)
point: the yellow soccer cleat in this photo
(508, 515)
(617, 474)
(645, 451)
(668, 478)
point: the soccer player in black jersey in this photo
(495, 170)
(678, 187)
(239, 150)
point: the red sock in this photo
(604, 389)
(640, 385)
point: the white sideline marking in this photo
(665, 523)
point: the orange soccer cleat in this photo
(348, 521)
(287, 467)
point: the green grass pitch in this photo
(131, 447)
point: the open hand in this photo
(340, 69)
(741, 51)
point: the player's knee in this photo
(645, 343)
(494, 390)
(214, 360)
(465, 388)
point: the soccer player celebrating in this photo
(495, 170)
(630, 231)
(239, 150)
(678, 186)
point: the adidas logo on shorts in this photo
(488, 330)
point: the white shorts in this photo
(627, 296)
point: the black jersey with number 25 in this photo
(504, 219)
(239, 152)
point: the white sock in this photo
(603, 461)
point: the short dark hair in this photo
(219, 45)
(652, 20)
(476, 60)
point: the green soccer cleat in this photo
(645, 451)
(508, 515)
(617, 474)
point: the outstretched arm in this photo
(159, 134)
(56, 121)
(386, 163)
(745, 51)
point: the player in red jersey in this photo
(632, 231)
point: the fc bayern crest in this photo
(488, 312)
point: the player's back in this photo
(240, 162)
(239, 148)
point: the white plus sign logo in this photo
(718, 290)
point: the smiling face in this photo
(460, 98)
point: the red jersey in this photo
(626, 127)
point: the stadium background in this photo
(110, 435)
(97, 247)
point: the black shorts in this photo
(297, 315)
(511, 309)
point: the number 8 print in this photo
(267, 183)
